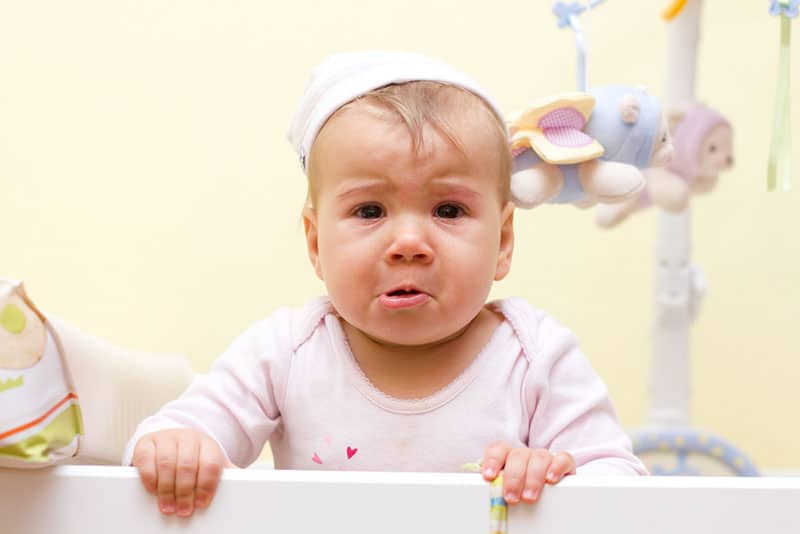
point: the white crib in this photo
(95, 499)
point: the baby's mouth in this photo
(403, 298)
(403, 292)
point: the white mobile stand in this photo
(668, 444)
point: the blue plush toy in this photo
(584, 148)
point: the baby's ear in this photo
(629, 108)
(312, 239)
(506, 250)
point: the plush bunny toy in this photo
(40, 419)
(703, 141)
(583, 148)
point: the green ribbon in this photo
(780, 151)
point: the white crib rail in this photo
(91, 499)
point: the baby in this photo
(404, 366)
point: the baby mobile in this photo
(589, 146)
(617, 148)
(702, 140)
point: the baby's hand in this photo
(181, 467)
(525, 471)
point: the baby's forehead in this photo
(459, 117)
(366, 134)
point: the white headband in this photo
(344, 77)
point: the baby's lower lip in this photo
(403, 300)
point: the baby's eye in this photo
(448, 211)
(369, 211)
(712, 148)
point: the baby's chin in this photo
(410, 341)
(395, 335)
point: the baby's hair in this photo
(436, 104)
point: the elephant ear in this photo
(629, 109)
(553, 128)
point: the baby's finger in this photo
(538, 466)
(211, 463)
(514, 474)
(494, 459)
(144, 459)
(563, 464)
(186, 476)
(166, 457)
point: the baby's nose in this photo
(410, 243)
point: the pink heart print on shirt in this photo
(351, 451)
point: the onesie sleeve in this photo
(570, 408)
(238, 402)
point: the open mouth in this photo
(403, 292)
(403, 298)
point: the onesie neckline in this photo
(424, 404)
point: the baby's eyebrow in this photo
(443, 187)
(454, 188)
(355, 187)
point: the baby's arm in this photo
(571, 410)
(224, 417)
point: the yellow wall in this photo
(147, 194)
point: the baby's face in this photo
(407, 242)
